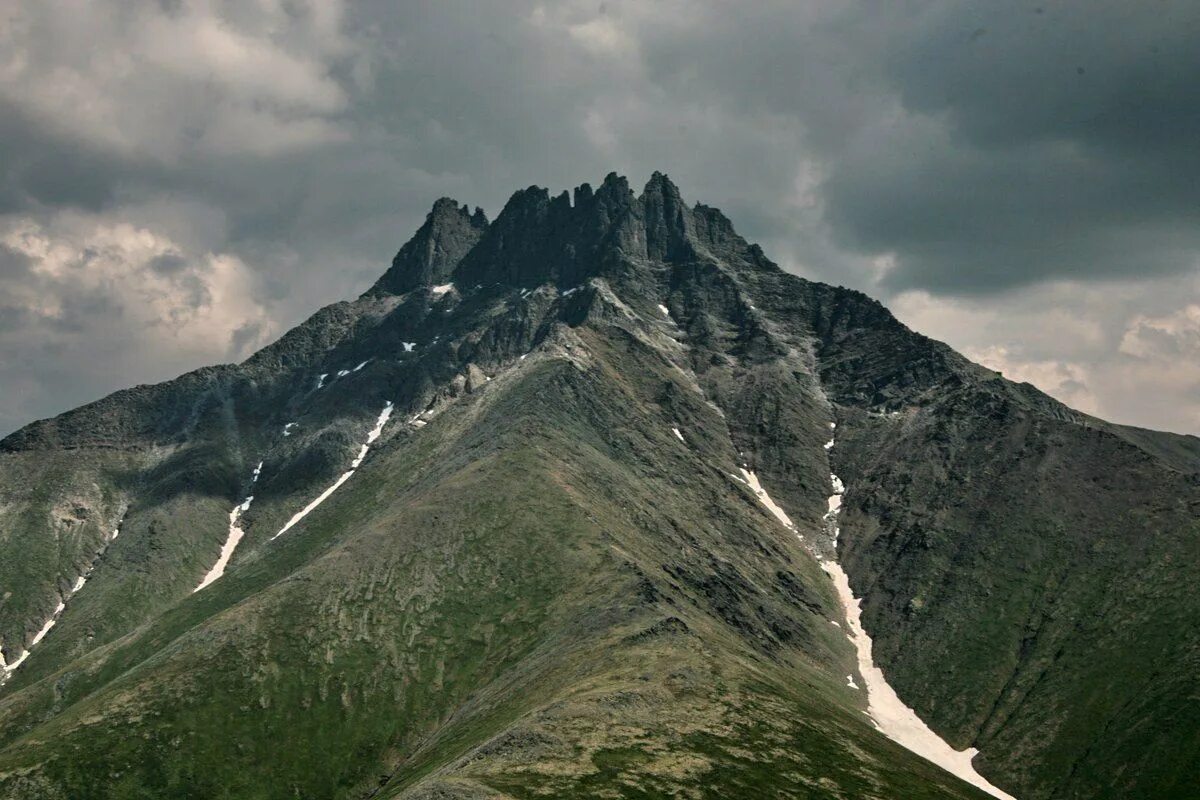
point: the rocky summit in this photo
(594, 500)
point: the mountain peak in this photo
(564, 238)
(668, 222)
(449, 232)
(661, 185)
(740, 479)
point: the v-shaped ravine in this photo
(887, 711)
(345, 476)
(6, 669)
(235, 531)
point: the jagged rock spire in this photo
(667, 219)
(564, 238)
(448, 234)
(539, 238)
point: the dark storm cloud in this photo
(250, 162)
(1116, 76)
(42, 169)
(1030, 143)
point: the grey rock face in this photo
(432, 254)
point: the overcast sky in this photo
(182, 180)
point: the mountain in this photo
(551, 510)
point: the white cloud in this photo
(602, 36)
(88, 301)
(205, 78)
(1061, 379)
(145, 280)
(1171, 336)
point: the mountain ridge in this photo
(661, 310)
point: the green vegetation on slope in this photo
(506, 598)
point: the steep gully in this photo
(236, 533)
(887, 711)
(6, 670)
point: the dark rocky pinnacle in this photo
(449, 233)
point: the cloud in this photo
(1028, 143)
(1063, 379)
(92, 303)
(169, 82)
(1172, 336)
(969, 161)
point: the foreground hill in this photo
(490, 530)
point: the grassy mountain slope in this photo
(542, 591)
(1025, 568)
(545, 579)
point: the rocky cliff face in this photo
(499, 544)
(431, 255)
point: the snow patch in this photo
(384, 416)
(50, 623)
(666, 311)
(360, 366)
(894, 719)
(7, 669)
(308, 509)
(287, 429)
(834, 507)
(321, 379)
(231, 542)
(438, 291)
(889, 714)
(751, 480)
(341, 373)
(678, 435)
(408, 346)
(571, 291)
(835, 499)
(11, 668)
